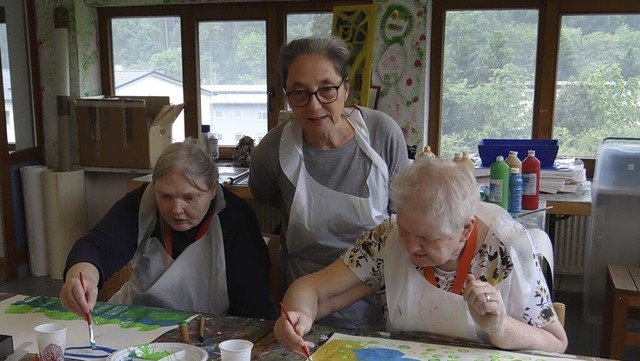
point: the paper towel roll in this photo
(65, 215)
(34, 214)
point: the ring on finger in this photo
(487, 298)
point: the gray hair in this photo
(444, 192)
(332, 47)
(192, 159)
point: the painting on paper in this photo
(358, 348)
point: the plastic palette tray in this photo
(546, 150)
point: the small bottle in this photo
(499, 183)
(457, 157)
(467, 161)
(204, 136)
(426, 153)
(530, 181)
(210, 141)
(513, 161)
(515, 191)
(215, 149)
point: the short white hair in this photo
(444, 192)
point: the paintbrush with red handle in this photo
(87, 316)
(304, 348)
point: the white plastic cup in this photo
(236, 350)
(52, 341)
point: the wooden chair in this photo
(276, 277)
(114, 283)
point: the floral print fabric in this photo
(491, 264)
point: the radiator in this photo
(268, 217)
(569, 244)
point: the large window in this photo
(219, 59)
(598, 81)
(489, 69)
(556, 69)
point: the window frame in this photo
(190, 15)
(550, 15)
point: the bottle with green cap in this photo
(499, 183)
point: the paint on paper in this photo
(357, 348)
(400, 64)
(125, 316)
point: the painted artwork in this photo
(358, 348)
(356, 25)
(115, 326)
(400, 65)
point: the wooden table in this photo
(266, 348)
(571, 204)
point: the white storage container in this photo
(615, 218)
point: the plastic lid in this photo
(513, 152)
(205, 128)
(514, 170)
(499, 158)
(531, 153)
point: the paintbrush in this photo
(89, 320)
(304, 348)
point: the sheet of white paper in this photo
(20, 327)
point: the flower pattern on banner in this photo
(399, 64)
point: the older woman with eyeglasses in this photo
(327, 167)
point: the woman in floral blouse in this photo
(446, 264)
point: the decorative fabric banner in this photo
(355, 24)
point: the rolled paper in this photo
(184, 332)
(61, 39)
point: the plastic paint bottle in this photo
(427, 152)
(467, 161)
(515, 191)
(530, 181)
(499, 183)
(513, 161)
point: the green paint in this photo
(146, 352)
(125, 316)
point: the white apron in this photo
(414, 304)
(324, 222)
(196, 281)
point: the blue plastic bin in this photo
(546, 150)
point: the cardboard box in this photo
(124, 132)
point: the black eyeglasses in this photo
(326, 95)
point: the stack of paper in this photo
(564, 179)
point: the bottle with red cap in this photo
(530, 181)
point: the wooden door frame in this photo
(14, 257)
